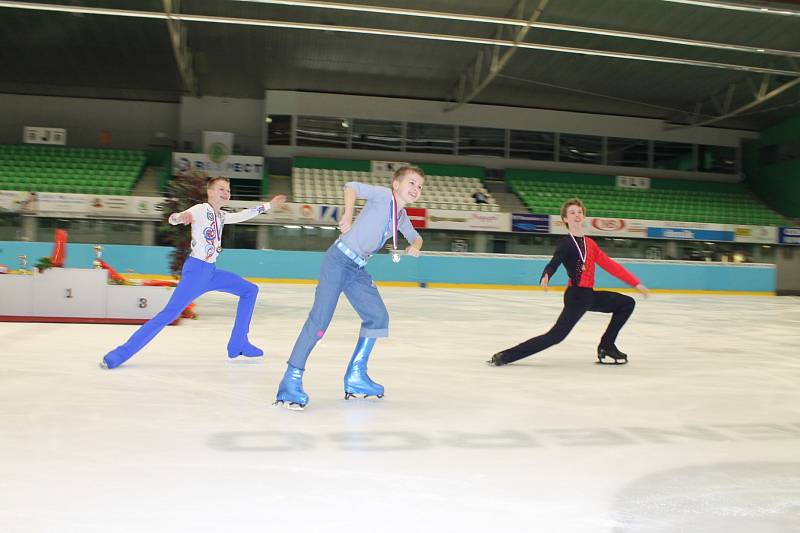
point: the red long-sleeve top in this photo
(567, 254)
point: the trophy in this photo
(98, 252)
(23, 264)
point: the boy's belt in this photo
(357, 259)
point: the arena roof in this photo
(729, 64)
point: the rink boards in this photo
(431, 270)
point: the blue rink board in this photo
(479, 270)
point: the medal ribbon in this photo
(394, 222)
(217, 236)
(580, 253)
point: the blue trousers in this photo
(339, 274)
(198, 278)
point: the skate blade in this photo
(292, 406)
(361, 396)
(246, 355)
(612, 362)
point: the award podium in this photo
(79, 295)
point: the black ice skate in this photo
(611, 356)
(496, 360)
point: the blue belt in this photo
(357, 259)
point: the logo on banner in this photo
(608, 224)
(525, 223)
(329, 213)
(217, 152)
(690, 234)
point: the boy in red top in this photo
(579, 254)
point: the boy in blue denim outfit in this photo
(343, 271)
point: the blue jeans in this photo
(197, 278)
(339, 274)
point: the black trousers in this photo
(578, 300)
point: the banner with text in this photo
(690, 234)
(756, 234)
(604, 227)
(468, 220)
(789, 236)
(43, 135)
(525, 223)
(233, 166)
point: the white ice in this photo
(700, 432)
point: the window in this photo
(627, 152)
(673, 156)
(720, 159)
(322, 131)
(481, 141)
(430, 138)
(580, 148)
(279, 129)
(536, 145)
(377, 135)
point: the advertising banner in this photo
(789, 236)
(232, 166)
(605, 227)
(525, 223)
(19, 201)
(756, 234)
(53, 203)
(690, 234)
(288, 213)
(468, 220)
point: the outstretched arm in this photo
(184, 217)
(247, 214)
(188, 216)
(619, 271)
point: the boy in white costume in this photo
(200, 275)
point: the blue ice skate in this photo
(115, 357)
(290, 392)
(246, 349)
(356, 381)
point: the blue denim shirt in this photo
(373, 227)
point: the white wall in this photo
(132, 124)
(244, 118)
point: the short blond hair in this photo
(572, 201)
(212, 181)
(407, 169)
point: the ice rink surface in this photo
(700, 432)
